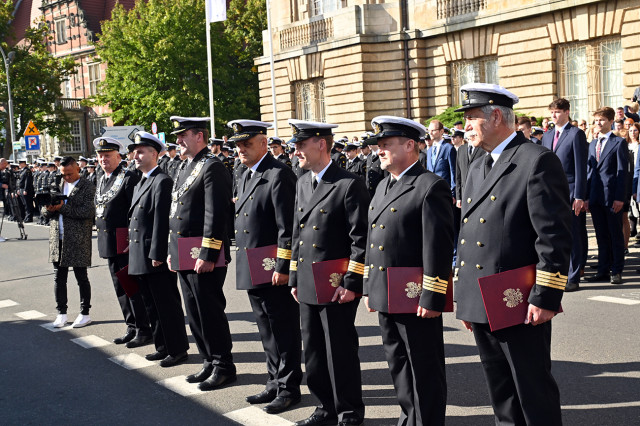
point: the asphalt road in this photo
(48, 377)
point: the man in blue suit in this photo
(569, 143)
(441, 157)
(606, 192)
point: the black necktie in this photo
(488, 162)
(392, 182)
(314, 182)
(247, 179)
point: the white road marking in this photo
(27, 315)
(626, 374)
(617, 300)
(254, 416)
(180, 386)
(8, 302)
(90, 342)
(488, 411)
(49, 326)
(131, 361)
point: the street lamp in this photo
(8, 59)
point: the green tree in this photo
(157, 62)
(36, 81)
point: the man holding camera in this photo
(70, 239)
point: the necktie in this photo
(555, 139)
(392, 182)
(314, 182)
(488, 163)
(247, 179)
(599, 148)
(434, 155)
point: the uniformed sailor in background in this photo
(200, 207)
(264, 217)
(354, 164)
(411, 206)
(374, 173)
(515, 213)
(276, 149)
(330, 223)
(337, 155)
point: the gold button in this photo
(139, 207)
(179, 233)
(246, 214)
(302, 225)
(315, 228)
(181, 203)
(482, 220)
(171, 231)
(135, 230)
(381, 248)
(246, 232)
(393, 209)
(371, 245)
(479, 266)
(236, 231)
(462, 263)
(322, 211)
(493, 198)
(251, 197)
(371, 266)
(381, 226)
(301, 243)
(373, 225)
(135, 241)
(382, 268)
(301, 260)
(179, 218)
(480, 244)
(135, 218)
(314, 246)
(237, 215)
(299, 209)
(104, 230)
(465, 220)
(468, 200)
(371, 208)
(462, 241)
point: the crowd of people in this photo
(392, 217)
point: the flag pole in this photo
(273, 78)
(209, 70)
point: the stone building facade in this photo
(346, 61)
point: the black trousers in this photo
(331, 359)
(60, 275)
(610, 239)
(162, 301)
(133, 310)
(517, 366)
(578, 224)
(278, 318)
(414, 348)
(205, 304)
(27, 202)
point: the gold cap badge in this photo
(377, 127)
(176, 124)
(138, 138)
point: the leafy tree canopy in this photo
(157, 62)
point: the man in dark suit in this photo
(148, 246)
(441, 157)
(264, 217)
(26, 190)
(606, 194)
(516, 213)
(413, 341)
(201, 207)
(570, 145)
(354, 164)
(113, 199)
(330, 223)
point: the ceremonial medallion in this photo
(268, 264)
(413, 290)
(513, 297)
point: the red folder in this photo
(327, 276)
(405, 287)
(262, 263)
(122, 240)
(128, 283)
(189, 252)
(505, 296)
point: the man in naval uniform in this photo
(374, 173)
(148, 246)
(516, 213)
(330, 223)
(200, 207)
(264, 217)
(113, 198)
(337, 155)
(354, 164)
(413, 342)
(275, 146)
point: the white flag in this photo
(217, 10)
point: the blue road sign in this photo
(32, 143)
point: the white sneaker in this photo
(81, 321)
(61, 321)
(2, 239)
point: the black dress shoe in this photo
(598, 278)
(280, 404)
(126, 338)
(262, 397)
(156, 356)
(140, 341)
(216, 380)
(201, 375)
(616, 279)
(172, 360)
(572, 287)
(350, 422)
(315, 420)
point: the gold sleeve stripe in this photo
(546, 274)
(293, 266)
(284, 254)
(546, 283)
(434, 280)
(435, 289)
(211, 243)
(552, 280)
(356, 267)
